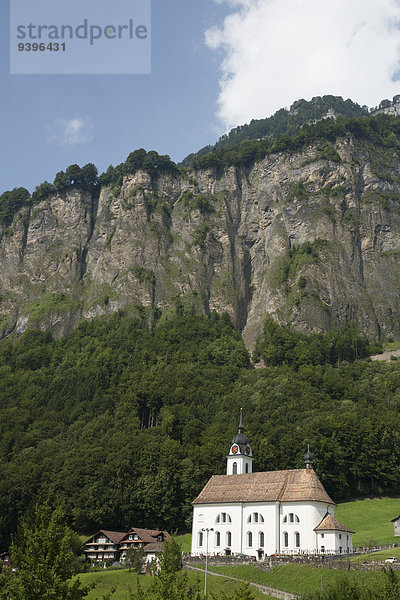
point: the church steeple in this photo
(240, 457)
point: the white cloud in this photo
(277, 51)
(71, 132)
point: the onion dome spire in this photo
(240, 437)
(308, 458)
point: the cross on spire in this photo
(241, 420)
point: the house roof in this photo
(146, 535)
(330, 523)
(395, 519)
(153, 547)
(114, 536)
(270, 486)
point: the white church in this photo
(272, 512)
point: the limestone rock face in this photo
(311, 238)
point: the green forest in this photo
(123, 421)
(287, 121)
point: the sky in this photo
(215, 64)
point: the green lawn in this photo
(298, 579)
(185, 541)
(123, 580)
(370, 519)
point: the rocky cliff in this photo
(312, 238)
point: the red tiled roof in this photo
(270, 486)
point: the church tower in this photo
(240, 457)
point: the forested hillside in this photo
(124, 421)
(285, 122)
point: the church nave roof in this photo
(269, 486)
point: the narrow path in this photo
(386, 356)
(262, 588)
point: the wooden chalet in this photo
(105, 545)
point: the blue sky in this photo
(215, 64)
(103, 118)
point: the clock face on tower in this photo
(235, 449)
(247, 449)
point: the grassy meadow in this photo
(295, 578)
(370, 519)
(185, 541)
(122, 580)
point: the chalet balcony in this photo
(110, 548)
(102, 544)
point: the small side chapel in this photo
(272, 512)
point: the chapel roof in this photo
(330, 523)
(293, 485)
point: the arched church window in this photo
(249, 539)
(285, 539)
(217, 538)
(292, 518)
(255, 518)
(261, 539)
(234, 468)
(223, 518)
(247, 468)
(228, 539)
(297, 539)
(200, 538)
